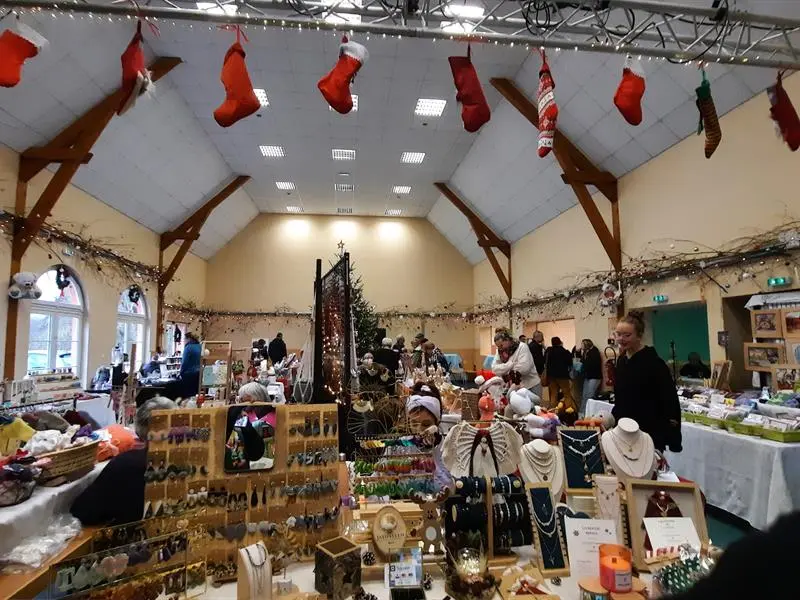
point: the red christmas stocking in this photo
(628, 98)
(240, 99)
(784, 114)
(15, 48)
(135, 76)
(548, 109)
(474, 108)
(335, 86)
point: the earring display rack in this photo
(470, 509)
(290, 508)
(583, 458)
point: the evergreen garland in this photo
(365, 319)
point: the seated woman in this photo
(424, 411)
(252, 392)
(117, 495)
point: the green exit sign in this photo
(779, 281)
(660, 298)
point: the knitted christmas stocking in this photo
(548, 109)
(240, 99)
(708, 117)
(335, 86)
(15, 48)
(135, 76)
(784, 114)
(474, 108)
(630, 91)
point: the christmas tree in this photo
(365, 319)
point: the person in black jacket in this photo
(387, 357)
(277, 349)
(558, 364)
(695, 369)
(643, 389)
(536, 346)
(592, 371)
(117, 495)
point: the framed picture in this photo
(791, 322)
(785, 377)
(766, 323)
(720, 374)
(793, 351)
(661, 499)
(761, 357)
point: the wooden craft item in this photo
(337, 568)
(389, 531)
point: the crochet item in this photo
(708, 117)
(630, 91)
(335, 86)
(475, 110)
(783, 113)
(492, 451)
(548, 109)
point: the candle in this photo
(615, 568)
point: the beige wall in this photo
(405, 264)
(747, 188)
(79, 212)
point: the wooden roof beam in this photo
(487, 239)
(579, 172)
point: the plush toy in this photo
(24, 287)
(522, 401)
(494, 388)
(542, 424)
(610, 295)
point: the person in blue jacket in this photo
(190, 366)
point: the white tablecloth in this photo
(100, 409)
(755, 479)
(598, 408)
(34, 515)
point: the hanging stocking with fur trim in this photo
(784, 114)
(630, 91)
(16, 46)
(548, 109)
(474, 108)
(240, 99)
(136, 79)
(335, 86)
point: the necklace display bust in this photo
(629, 450)
(542, 463)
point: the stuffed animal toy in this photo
(542, 424)
(24, 287)
(521, 402)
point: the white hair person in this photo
(253, 392)
(143, 413)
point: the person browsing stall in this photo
(515, 357)
(277, 349)
(117, 495)
(643, 389)
(424, 412)
(536, 346)
(190, 366)
(557, 365)
(695, 369)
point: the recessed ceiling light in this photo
(401, 189)
(343, 187)
(344, 211)
(294, 209)
(213, 8)
(355, 104)
(341, 154)
(286, 186)
(393, 212)
(262, 96)
(430, 107)
(412, 158)
(272, 151)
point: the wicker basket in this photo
(69, 465)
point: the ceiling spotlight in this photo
(412, 158)
(294, 209)
(272, 151)
(401, 189)
(341, 154)
(430, 107)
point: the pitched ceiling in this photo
(162, 160)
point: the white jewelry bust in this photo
(541, 462)
(629, 450)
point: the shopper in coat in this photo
(277, 349)
(514, 357)
(592, 371)
(644, 390)
(536, 346)
(558, 364)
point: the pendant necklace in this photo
(632, 454)
(583, 456)
(636, 463)
(544, 468)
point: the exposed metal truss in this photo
(658, 29)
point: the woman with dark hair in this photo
(643, 389)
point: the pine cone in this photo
(368, 558)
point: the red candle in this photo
(615, 568)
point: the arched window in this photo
(132, 323)
(55, 337)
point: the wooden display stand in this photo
(412, 517)
(216, 351)
(337, 568)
